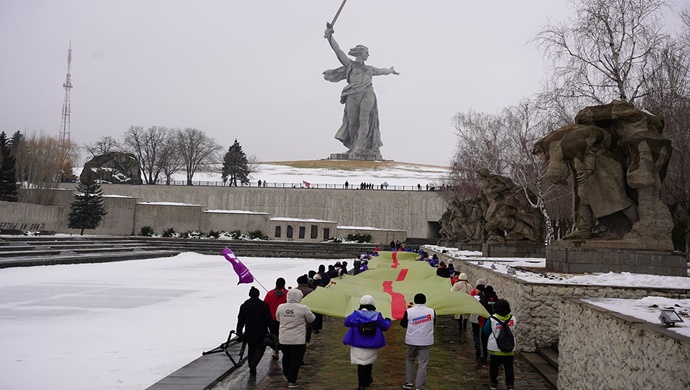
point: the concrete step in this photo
(12, 247)
(29, 252)
(550, 355)
(205, 371)
(542, 367)
(76, 258)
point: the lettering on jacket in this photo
(421, 319)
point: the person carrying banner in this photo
(274, 298)
(255, 318)
(293, 317)
(502, 316)
(419, 337)
(365, 338)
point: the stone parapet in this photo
(600, 349)
(585, 259)
(513, 250)
(536, 305)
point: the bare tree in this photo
(669, 97)
(171, 160)
(482, 141)
(105, 144)
(39, 162)
(606, 51)
(197, 150)
(148, 146)
(503, 143)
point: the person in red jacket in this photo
(275, 298)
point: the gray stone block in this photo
(589, 260)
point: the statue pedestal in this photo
(612, 256)
(357, 156)
(513, 250)
(463, 246)
(469, 246)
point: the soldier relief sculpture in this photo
(618, 159)
(502, 214)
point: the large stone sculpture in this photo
(619, 159)
(464, 221)
(360, 129)
(509, 216)
(112, 167)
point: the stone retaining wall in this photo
(600, 349)
(537, 305)
(416, 212)
(15, 216)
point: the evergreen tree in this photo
(9, 190)
(16, 142)
(87, 210)
(236, 165)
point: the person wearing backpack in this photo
(365, 338)
(500, 328)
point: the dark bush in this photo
(359, 237)
(146, 231)
(254, 234)
(169, 232)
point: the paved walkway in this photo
(451, 365)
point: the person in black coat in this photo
(487, 298)
(255, 316)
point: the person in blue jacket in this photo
(365, 338)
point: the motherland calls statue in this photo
(619, 159)
(509, 217)
(360, 129)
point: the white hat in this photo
(366, 300)
(463, 276)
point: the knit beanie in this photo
(253, 292)
(366, 300)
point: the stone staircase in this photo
(22, 251)
(545, 362)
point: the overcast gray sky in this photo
(251, 69)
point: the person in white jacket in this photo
(293, 317)
(419, 337)
(462, 285)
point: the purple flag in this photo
(240, 269)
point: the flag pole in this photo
(257, 280)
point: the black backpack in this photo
(505, 339)
(368, 329)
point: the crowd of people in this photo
(282, 322)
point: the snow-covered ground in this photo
(401, 176)
(122, 325)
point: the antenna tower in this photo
(64, 137)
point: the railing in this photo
(370, 187)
